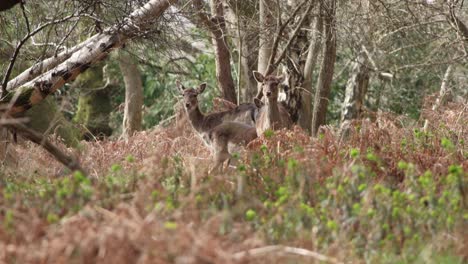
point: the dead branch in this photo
(39, 139)
(278, 249)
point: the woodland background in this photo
(374, 171)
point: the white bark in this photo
(356, 89)
(444, 90)
(266, 37)
(47, 64)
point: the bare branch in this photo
(22, 42)
(39, 139)
(271, 64)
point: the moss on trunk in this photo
(94, 104)
(46, 118)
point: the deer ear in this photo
(201, 88)
(258, 76)
(258, 102)
(180, 86)
(281, 78)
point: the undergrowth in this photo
(383, 194)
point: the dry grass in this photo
(167, 210)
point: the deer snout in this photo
(268, 93)
(187, 105)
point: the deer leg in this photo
(221, 153)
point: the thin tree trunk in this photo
(328, 67)
(223, 55)
(216, 24)
(133, 95)
(444, 90)
(266, 37)
(245, 41)
(305, 116)
(36, 90)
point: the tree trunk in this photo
(246, 41)
(444, 90)
(216, 24)
(133, 95)
(266, 37)
(223, 56)
(356, 89)
(305, 115)
(35, 91)
(328, 66)
(94, 105)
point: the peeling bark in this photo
(356, 89)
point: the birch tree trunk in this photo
(266, 37)
(356, 89)
(33, 92)
(444, 90)
(358, 82)
(328, 67)
(133, 95)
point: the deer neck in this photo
(197, 118)
(273, 112)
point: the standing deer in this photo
(221, 128)
(271, 115)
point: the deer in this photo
(271, 114)
(219, 130)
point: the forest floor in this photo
(388, 193)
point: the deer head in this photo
(270, 85)
(190, 95)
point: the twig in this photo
(25, 16)
(256, 252)
(293, 36)
(278, 36)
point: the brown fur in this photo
(271, 115)
(218, 129)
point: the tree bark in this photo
(328, 67)
(305, 115)
(133, 95)
(48, 64)
(36, 90)
(246, 42)
(216, 24)
(266, 37)
(356, 89)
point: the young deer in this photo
(221, 128)
(271, 115)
